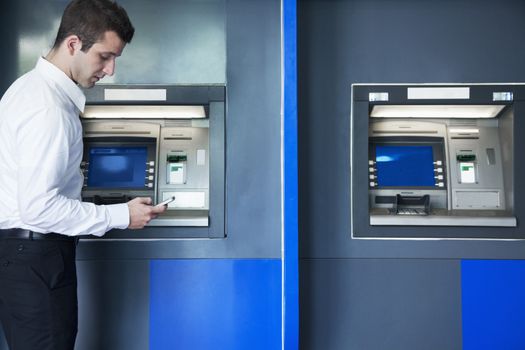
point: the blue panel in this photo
(290, 205)
(405, 166)
(493, 304)
(215, 304)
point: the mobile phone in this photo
(167, 201)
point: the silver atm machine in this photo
(438, 161)
(158, 142)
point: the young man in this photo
(41, 212)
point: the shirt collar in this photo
(63, 81)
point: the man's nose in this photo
(109, 68)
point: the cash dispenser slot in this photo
(411, 205)
(107, 200)
(466, 157)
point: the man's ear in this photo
(73, 44)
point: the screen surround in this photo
(405, 165)
(407, 162)
(117, 167)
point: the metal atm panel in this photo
(173, 147)
(438, 156)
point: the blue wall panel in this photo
(210, 304)
(493, 304)
(290, 205)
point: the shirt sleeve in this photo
(43, 147)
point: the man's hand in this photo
(141, 212)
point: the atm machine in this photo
(437, 161)
(158, 142)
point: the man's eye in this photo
(105, 57)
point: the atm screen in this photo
(117, 167)
(405, 165)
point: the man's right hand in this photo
(141, 212)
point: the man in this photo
(41, 214)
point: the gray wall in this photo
(236, 43)
(9, 45)
(175, 42)
(365, 294)
(252, 203)
(230, 42)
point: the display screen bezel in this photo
(127, 142)
(437, 144)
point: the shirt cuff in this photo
(118, 216)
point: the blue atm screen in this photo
(405, 166)
(117, 167)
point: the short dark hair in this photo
(91, 19)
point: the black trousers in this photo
(38, 294)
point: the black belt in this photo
(19, 233)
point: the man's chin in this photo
(87, 85)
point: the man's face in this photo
(99, 61)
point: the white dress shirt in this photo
(40, 154)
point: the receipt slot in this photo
(437, 161)
(467, 167)
(175, 167)
(171, 146)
